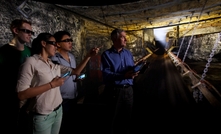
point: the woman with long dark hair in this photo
(39, 84)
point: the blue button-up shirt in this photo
(69, 88)
(114, 65)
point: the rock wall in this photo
(51, 18)
(45, 18)
(200, 47)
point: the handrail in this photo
(209, 91)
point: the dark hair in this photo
(59, 34)
(115, 33)
(36, 43)
(17, 23)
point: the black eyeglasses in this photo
(27, 31)
(51, 43)
(66, 40)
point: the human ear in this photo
(58, 45)
(43, 43)
(15, 30)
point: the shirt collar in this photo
(40, 58)
(59, 55)
(114, 50)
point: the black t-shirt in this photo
(10, 62)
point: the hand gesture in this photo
(94, 51)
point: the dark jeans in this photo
(24, 122)
(120, 103)
(69, 114)
(10, 117)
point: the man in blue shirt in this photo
(117, 69)
(69, 90)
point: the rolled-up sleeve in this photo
(65, 69)
(25, 75)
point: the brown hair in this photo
(17, 23)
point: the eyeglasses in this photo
(66, 40)
(27, 31)
(51, 43)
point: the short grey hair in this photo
(115, 33)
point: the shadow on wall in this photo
(150, 45)
(160, 50)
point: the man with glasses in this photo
(69, 90)
(12, 55)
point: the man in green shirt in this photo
(12, 55)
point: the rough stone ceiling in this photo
(145, 14)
